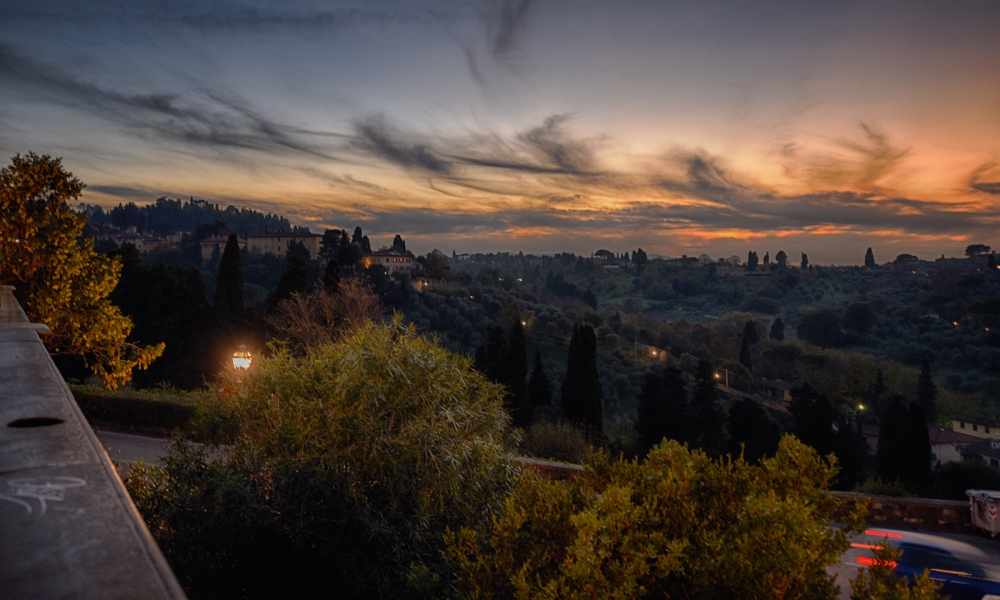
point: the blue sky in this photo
(718, 127)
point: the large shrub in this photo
(678, 525)
(346, 467)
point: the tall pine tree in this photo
(228, 298)
(292, 281)
(813, 418)
(581, 390)
(870, 259)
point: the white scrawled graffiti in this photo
(43, 489)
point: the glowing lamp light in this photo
(524, 322)
(861, 407)
(716, 375)
(955, 323)
(242, 358)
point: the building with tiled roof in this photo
(393, 260)
(947, 444)
(277, 243)
(208, 245)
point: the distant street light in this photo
(242, 358)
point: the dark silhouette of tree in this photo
(805, 261)
(927, 390)
(366, 245)
(329, 246)
(581, 397)
(517, 373)
(491, 355)
(991, 262)
(752, 261)
(767, 259)
(435, 264)
(859, 317)
(640, 260)
(976, 249)
(539, 387)
(228, 298)
(821, 327)
(298, 249)
(708, 418)
(663, 410)
(398, 244)
(850, 447)
(750, 332)
(903, 443)
(813, 418)
(358, 236)
(752, 431)
(745, 358)
(781, 258)
(870, 259)
(778, 330)
(331, 276)
(292, 280)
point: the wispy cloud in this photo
(206, 119)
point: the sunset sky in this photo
(542, 126)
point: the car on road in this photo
(946, 562)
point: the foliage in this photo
(555, 440)
(310, 321)
(581, 389)
(228, 298)
(879, 582)
(904, 450)
(777, 330)
(880, 487)
(926, 391)
(813, 418)
(293, 280)
(677, 525)
(663, 410)
(130, 410)
(821, 327)
(60, 282)
(168, 215)
(331, 276)
(348, 463)
(539, 387)
(752, 433)
(517, 373)
(708, 417)
(950, 481)
(167, 304)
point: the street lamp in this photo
(242, 358)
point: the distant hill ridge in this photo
(167, 215)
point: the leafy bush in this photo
(877, 487)
(677, 525)
(557, 440)
(132, 410)
(951, 480)
(345, 468)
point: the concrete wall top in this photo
(68, 528)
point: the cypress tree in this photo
(891, 453)
(331, 276)
(918, 445)
(517, 373)
(708, 418)
(805, 261)
(927, 391)
(491, 355)
(870, 259)
(778, 330)
(581, 390)
(813, 418)
(292, 280)
(539, 387)
(663, 409)
(752, 431)
(849, 446)
(228, 298)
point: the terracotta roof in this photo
(982, 447)
(940, 435)
(406, 253)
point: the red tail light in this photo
(870, 562)
(877, 533)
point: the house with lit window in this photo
(394, 261)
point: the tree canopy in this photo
(59, 281)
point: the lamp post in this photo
(242, 359)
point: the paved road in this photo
(128, 448)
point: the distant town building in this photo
(277, 243)
(979, 426)
(208, 245)
(984, 451)
(947, 444)
(775, 389)
(394, 261)
(142, 243)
